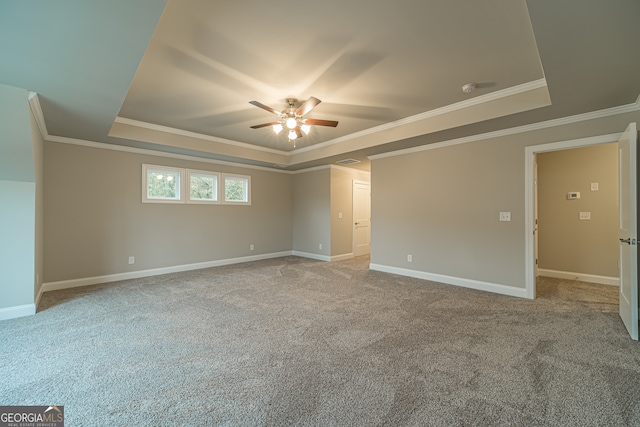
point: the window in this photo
(165, 184)
(161, 184)
(203, 186)
(237, 189)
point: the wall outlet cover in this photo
(505, 216)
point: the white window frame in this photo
(223, 191)
(145, 174)
(216, 175)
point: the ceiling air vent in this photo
(347, 162)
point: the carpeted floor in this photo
(291, 341)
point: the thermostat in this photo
(572, 195)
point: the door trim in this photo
(529, 196)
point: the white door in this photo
(628, 230)
(361, 218)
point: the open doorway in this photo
(532, 154)
(577, 214)
(627, 217)
(577, 247)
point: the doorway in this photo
(627, 218)
(530, 198)
(577, 214)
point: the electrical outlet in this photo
(409, 258)
(585, 215)
(251, 247)
(320, 246)
(339, 215)
(505, 216)
(132, 260)
(594, 186)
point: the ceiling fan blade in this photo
(307, 106)
(319, 122)
(266, 107)
(264, 125)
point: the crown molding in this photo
(189, 134)
(148, 152)
(36, 110)
(623, 109)
(479, 100)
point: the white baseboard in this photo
(450, 280)
(87, 281)
(342, 257)
(17, 311)
(312, 256)
(582, 277)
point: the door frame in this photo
(530, 203)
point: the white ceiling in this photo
(179, 76)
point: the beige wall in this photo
(442, 205)
(312, 212)
(94, 218)
(566, 243)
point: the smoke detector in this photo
(469, 87)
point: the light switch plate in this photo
(505, 216)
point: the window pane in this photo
(163, 184)
(204, 187)
(236, 189)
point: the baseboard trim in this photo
(17, 311)
(88, 281)
(450, 280)
(342, 257)
(312, 256)
(582, 277)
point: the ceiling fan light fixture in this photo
(291, 123)
(292, 118)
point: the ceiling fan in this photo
(291, 118)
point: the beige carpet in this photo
(291, 341)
